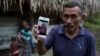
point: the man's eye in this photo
(66, 15)
(73, 16)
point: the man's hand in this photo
(40, 45)
(36, 33)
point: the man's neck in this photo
(71, 34)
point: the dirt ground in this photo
(49, 53)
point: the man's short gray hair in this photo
(71, 4)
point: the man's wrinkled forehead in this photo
(73, 10)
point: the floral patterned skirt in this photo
(26, 50)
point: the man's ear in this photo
(83, 17)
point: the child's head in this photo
(13, 39)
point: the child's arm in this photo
(19, 37)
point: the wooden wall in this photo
(8, 29)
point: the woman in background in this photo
(25, 37)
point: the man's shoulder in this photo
(57, 27)
(88, 33)
(89, 36)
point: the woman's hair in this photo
(21, 24)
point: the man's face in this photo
(72, 18)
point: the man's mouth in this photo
(68, 25)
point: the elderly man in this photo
(69, 39)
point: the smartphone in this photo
(43, 23)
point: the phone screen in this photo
(42, 27)
(43, 23)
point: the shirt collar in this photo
(61, 30)
(81, 30)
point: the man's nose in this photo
(69, 20)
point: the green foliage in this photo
(98, 19)
(93, 24)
